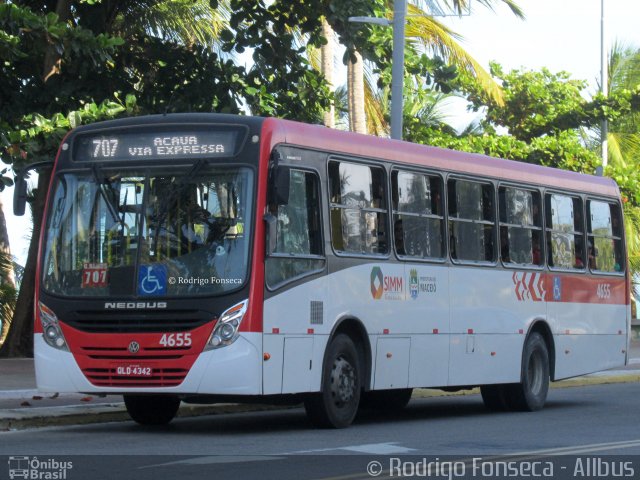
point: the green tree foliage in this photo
(69, 62)
(542, 121)
(548, 119)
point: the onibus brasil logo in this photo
(33, 468)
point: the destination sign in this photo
(157, 145)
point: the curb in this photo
(24, 418)
(21, 419)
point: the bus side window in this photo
(565, 231)
(471, 221)
(358, 208)
(520, 226)
(298, 231)
(417, 214)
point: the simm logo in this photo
(391, 287)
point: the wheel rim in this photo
(343, 381)
(535, 372)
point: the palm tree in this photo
(7, 279)
(623, 138)
(356, 94)
(7, 294)
(327, 55)
(190, 22)
(624, 133)
(424, 32)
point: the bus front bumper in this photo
(232, 370)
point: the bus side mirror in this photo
(280, 186)
(271, 224)
(19, 195)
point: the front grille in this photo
(162, 377)
(138, 321)
(146, 353)
(136, 360)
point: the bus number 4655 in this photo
(176, 340)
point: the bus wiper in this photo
(108, 199)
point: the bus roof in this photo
(319, 137)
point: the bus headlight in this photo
(52, 333)
(226, 329)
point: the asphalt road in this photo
(580, 423)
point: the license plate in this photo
(133, 371)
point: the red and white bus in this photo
(205, 257)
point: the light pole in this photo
(604, 85)
(397, 61)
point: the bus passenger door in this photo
(295, 278)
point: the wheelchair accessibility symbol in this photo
(152, 280)
(557, 289)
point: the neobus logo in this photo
(385, 285)
(133, 305)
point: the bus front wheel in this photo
(152, 409)
(531, 393)
(336, 405)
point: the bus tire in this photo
(494, 397)
(531, 393)
(336, 405)
(152, 409)
(387, 400)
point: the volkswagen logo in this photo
(134, 347)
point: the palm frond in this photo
(460, 7)
(376, 104)
(632, 234)
(624, 148)
(513, 6)
(624, 67)
(6, 263)
(615, 152)
(187, 22)
(425, 31)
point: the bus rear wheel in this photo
(531, 393)
(495, 397)
(387, 400)
(152, 409)
(336, 405)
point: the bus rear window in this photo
(604, 244)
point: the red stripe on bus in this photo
(567, 288)
(37, 325)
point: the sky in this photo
(557, 34)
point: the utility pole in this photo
(397, 67)
(604, 84)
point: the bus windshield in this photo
(140, 233)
